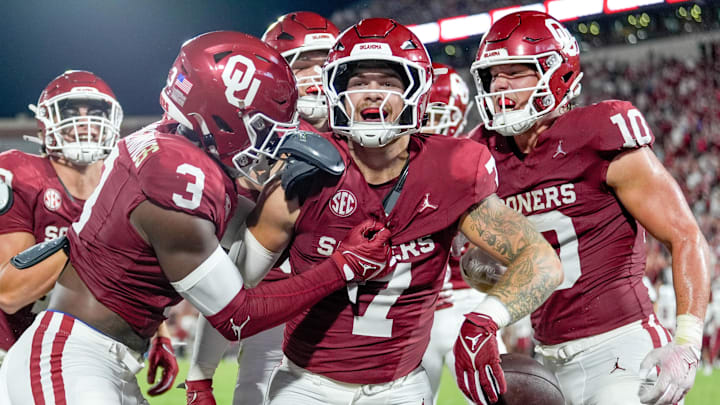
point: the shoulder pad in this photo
(295, 178)
(37, 253)
(313, 149)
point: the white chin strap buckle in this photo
(373, 137)
(520, 121)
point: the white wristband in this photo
(689, 330)
(495, 309)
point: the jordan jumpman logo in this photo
(559, 150)
(617, 366)
(426, 203)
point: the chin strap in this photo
(33, 139)
(391, 199)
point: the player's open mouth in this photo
(506, 103)
(313, 90)
(373, 114)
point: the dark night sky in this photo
(131, 43)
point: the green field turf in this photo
(705, 392)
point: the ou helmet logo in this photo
(459, 88)
(562, 35)
(236, 79)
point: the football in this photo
(528, 382)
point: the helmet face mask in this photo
(442, 117)
(238, 94)
(379, 44)
(79, 118)
(510, 122)
(539, 41)
(375, 134)
(312, 104)
(257, 161)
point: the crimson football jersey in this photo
(561, 187)
(38, 203)
(384, 335)
(116, 264)
(306, 126)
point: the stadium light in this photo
(427, 33)
(566, 10)
(465, 26)
(618, 6)
(502, 12)
(452, 29)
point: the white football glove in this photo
(678, 364)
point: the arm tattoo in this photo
(533, 266)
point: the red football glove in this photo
(477, 360)
(161, 355)
(364, 254)
(199, 392)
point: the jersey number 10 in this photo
(640, 132)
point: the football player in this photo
(148, 235)
(588, 179)
(364, 345)
(303, 39)
(78, 119)
(448, 104)
(79, 123)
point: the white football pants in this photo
(61, 360)
(604, 369)
(292, 385)
(259, 355)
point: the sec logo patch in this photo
(343, 203)
(52, 199)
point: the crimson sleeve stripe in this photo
(56, 359)
(35, 352)
(651, 327)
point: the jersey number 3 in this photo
(195, 188)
